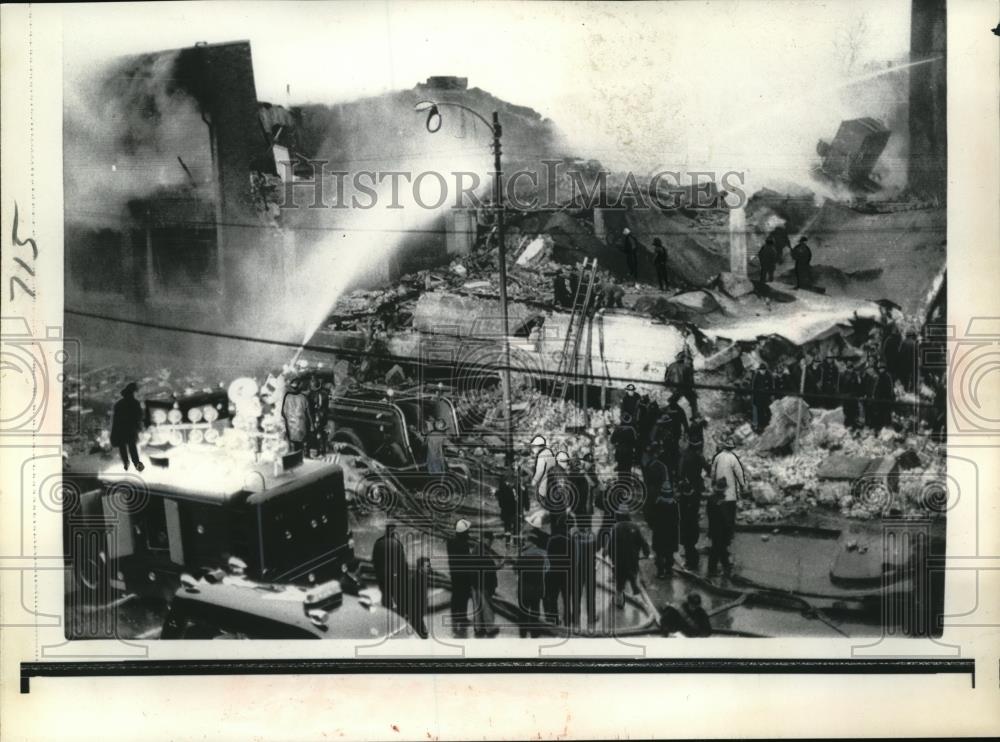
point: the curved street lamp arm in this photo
(436, 105)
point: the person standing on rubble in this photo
(623, 439)
(779, 237)
(630, 402)
(814, 378)
(660, 262)
(768, 257)
(829, 382)
(761, 389)
(544, 461)
(880, 398)
(906, 362)
(850, 388)
(679, 379)
(691, 487)
(802, 256)
(728, 484)
(126, 423)
(630, 246)
(560, 292)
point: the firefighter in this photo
(126, 423)
(660, 263)
(295, 413)
(761, 388)
(665, 516)
(779, 237)
(623, 439)
(391, 570)
(529, 566)
(814, 377)
(906, 362)
(803, 259)
(463, 577)
(560, 292)
(319, 412)
(627, 545)
(829, 382)
(768, 257)
(679, 379)
(849, 387)
(630, 402)
(507, 502)
(630, 246)
(728, 484)
(691, 487)
(880, 398)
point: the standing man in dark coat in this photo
(623, 439)
(660, 262)
(557, 575)
(665, 516)
(126, 423)
(630, 246)
(779, 237)
(691, 488)
(530, 567)
(768, 258)
(881, 396)
(630, 402)
(829, 383)
(803, 260)
(319, 412)
(507, 502)
(391, 570)
(627, 543)
(761, 389)
(850, 390)
(814, 377)
(906, 362)
(461, 566)
(679, 380)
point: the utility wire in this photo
(465, 366)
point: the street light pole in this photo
(432, 126)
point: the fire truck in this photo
(196, 506)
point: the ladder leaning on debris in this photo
(569, 357)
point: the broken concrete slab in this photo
(451, 314)
(789, 415)
(700, 302)
(734, 285)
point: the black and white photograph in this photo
(374, 353)
(567, 369)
